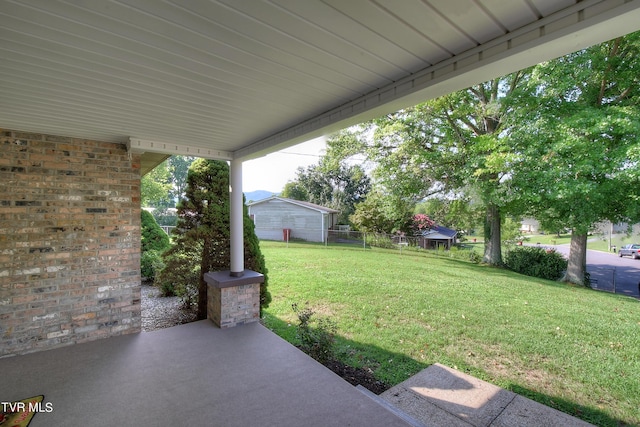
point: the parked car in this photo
(632, 250)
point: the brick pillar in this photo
(233, 301)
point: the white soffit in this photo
(242, 78)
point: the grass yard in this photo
(571, 348)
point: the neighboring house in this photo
(307, 221)
(607, 228)
(438, 236)
(530, 226)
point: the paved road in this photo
(611, 273)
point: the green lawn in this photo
(571, 348)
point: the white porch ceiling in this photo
(242, 78)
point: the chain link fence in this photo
(345, 237)
(380, 240)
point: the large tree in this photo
(155, 187)
(451, 144)
(179, 169)
(164, 186)
(578, 133)
(201, 238)
(336, 185)
(383, 212)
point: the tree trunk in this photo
(492, 237)
(202, 285)
(202, 299)
(577, 268)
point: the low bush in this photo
(181, 273)
(154, 241)
(379, 241)
(536, 262)
(316, 341)
(150, 264)
(464, 254)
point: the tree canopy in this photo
(155, 187)
(164, 186)
(577, 142)
(558, 141)
(336, 185)
(453, 144)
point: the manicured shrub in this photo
(153, 243)
(181, 273)
(537, 262)
(201, 240)
(150, 264)
(153, 237)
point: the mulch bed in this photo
(357, 376)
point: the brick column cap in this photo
(224, 279)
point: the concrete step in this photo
(394, 409)
(441, 396)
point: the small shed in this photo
(438, 236)
(306, 221)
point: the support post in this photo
(236, 217)
(233, 301)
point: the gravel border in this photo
(162, 312)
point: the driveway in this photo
(611, 273)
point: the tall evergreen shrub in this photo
(201, 237)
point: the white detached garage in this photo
(306, 221)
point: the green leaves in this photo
(155, 187)
(333, 183)
(576, 143)
(201, 238)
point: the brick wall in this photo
(69, 241)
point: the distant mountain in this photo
(254, 196)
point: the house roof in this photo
(439, 232)
(306, 205)
(240, 79)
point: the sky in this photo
(272, 172)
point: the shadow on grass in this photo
(395, 367)
(586, 413)
(398, 367)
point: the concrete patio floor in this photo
(199, 375)
(189, 375)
